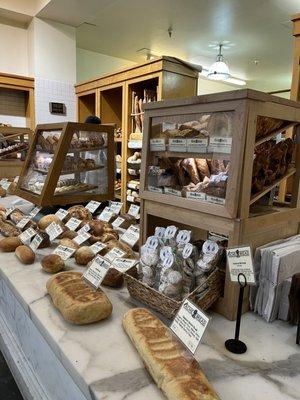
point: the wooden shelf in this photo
(177, 154)
(274, 133)
(260, 194)
(3, 158)
(67, 192)
(72, 150)
(41, 171)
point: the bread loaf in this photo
(76, 300)
(174, 370)
(7, 228)
(47, 220)
(52, 263)
(84, 255)
(25, 254)
(79, 212)
(10, 244)
(2, 192)
(68, 243)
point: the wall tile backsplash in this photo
(53, 91)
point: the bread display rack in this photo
(69, 163)
(213, 163)
(14, 144)
(119, 98)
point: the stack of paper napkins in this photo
(274, 264)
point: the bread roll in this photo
(52, 263)
(25, 254)
(84, 255)
(68, 243)
(173, 369)
(68, 234)
(78, 302)
(10, 244)
(113, 278)
(2, 192)
(79, 212)
(47, 220)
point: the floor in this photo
(9, 389)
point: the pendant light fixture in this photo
(219, 71)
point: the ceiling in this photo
(259, 32)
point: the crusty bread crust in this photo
(76, 300)
(174, 370)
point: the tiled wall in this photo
(12, 107)
(53, 91)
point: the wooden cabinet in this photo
(239, 139)
(111, 96)
(69, 163)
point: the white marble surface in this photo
(103, 363)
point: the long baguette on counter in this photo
(173, 369)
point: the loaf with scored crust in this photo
(78, 302)
(173, 369)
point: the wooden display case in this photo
(69, 163)
(11, 162)
(110, 97)
(257, 127)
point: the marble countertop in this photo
(105, 365)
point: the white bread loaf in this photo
(173, 369)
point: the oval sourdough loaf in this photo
(78, 302)
(174, 370)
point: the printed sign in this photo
(196, 145)
(53, 230)
(115, 206)
(240, 262)
(27, 235)
(92, 206)
(177, 144)
(189, 325)
(132, 235)
(155, 189)
(64, 252)
(130, 199)
(84, 229)
(117, 222)
(196, 196)
(61, 214)
(220, 144)
(37, 240)
(114, 253)
(9, 210)
(35, 211)
(173, 192)
(83, 237)
(215, 200)
(106, 215)
(123, 264)
(97, 271)
(157, 144)
(97, 247)
(73, 223)
(23, 222)
(134, 210)
(5, 185)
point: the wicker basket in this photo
(168, 307)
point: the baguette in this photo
(176, 372)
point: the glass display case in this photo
(69, 163)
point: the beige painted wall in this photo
(13, 50)
(91, 64)
(206, 86)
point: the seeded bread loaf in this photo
(175, 371)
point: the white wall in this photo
(91, 64)
(13, 50)
(206, 86)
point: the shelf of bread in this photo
(267, 128)
(71, 171)
(177, 154)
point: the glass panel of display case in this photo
(190, 155)
(85, 165)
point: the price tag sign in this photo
(53, 230)
(9, 211)
(220, 144)
(6, 185)
(196, 145)
(97, 271)
(3, 181)
(157, 144)
(92, 206)
(155, 189)
(64, 252)
(61, 214)
(173, 192)
(123, 264)
(215, 200)
(196, 196)
(73, 223)
(23, 222)
(85, 228)
(131, 236)
(97, 247)
(35, 211)
(114, 253)
(130, 199)
(115, 206)
(83, 237)
(106, 215)
(177, 144)
(118, 222)
(189, 325)
(134, 210)
(27, 235)
(240, 262)
(37, 240)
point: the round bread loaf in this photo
(2, 212)
(68, 234)
(25, 254)
(2, 192)
(84, 255)
(10, 244)
(47, 220)
(79, 212)
(97, 227)
(113, 278)
(12, 188)
(68, 243)
(52, 263)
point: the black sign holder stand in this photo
(235, 345)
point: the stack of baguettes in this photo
(176, 372)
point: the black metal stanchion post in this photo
(235, 345)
